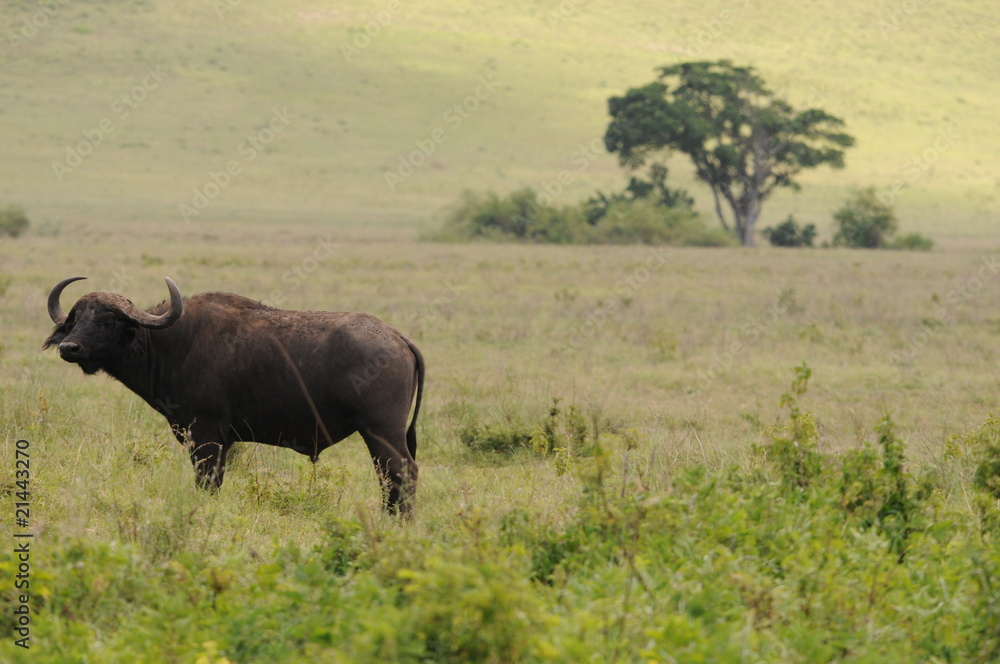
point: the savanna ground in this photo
(683, 510)
(131, 563)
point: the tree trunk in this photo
(750, 213)
(718, 209)
(738, 212)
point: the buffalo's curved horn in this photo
(56, 313)
(146, 319)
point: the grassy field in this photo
(683, 509)
(676, 358)
(161, 98)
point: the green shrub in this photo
(793, 446)
(987, 475)
(979, 452)
(645, 222)
(522, 217)
(913, 242)
(565, 433)
(342, 545)
(653, 190)
(876, 489)
(982, 447)
(859, 484)
(898, 514)
(789, 234)
(466, 611)
(13, 220)
(495, 438)
(864, 221)
(519, 216)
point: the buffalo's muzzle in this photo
(69, 350)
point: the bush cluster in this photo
(863, 222)
(522, 217)
(789, 234)
(13, 221)
(866, 222)
(648, 212)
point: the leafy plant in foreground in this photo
(981, 446)
(899, 511)
(793, 447)
(987, 456)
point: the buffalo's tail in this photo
(411, 433)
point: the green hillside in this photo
(123, 111)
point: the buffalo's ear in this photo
(57, 335)
(130, 339)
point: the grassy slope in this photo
(352, 120)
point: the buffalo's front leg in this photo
(209, 461)
(207, 456)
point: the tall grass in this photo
(677, 383)
(857, 555)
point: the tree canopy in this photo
(743, 141)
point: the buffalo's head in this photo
(101, 326)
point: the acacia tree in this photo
(744, 142)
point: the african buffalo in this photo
(222, 368)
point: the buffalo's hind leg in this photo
(397, 472)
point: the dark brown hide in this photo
(231, 369)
